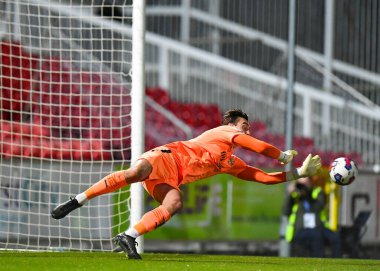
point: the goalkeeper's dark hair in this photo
(232, 115)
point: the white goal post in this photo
(68, 118)
(138, 107)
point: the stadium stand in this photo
(31, 127)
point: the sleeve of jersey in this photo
(257, 175)
(256, 145)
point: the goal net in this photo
(64, 120)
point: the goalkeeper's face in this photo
(242, 125)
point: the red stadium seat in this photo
(84, 115)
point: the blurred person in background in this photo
(307, 228)
(163, 170)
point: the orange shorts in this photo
(164, 170)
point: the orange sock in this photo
(152, 219)
(110, 183)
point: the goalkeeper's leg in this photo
(112, 182)
(171, 201)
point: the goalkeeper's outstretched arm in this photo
(262, 147)
(257, 175)
(310, 167)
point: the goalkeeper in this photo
(165, 169)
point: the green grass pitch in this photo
(108, 261)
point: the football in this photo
(343, 171)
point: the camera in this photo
(301, 187)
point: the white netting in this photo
(234, 54)
(65, 100)
(65, 120)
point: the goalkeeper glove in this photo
(287, 156)
(310, 166)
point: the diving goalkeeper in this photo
(163, 170)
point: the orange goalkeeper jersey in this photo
(212, 153)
